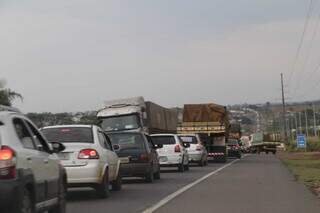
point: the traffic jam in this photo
(133, 139)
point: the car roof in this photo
(68, 126)
(163, 135)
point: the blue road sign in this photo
(301, 141)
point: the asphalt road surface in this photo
(255, 184)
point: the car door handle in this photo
(46, 161)
(29, 158)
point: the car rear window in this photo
(188, 139)
(232, 142)
(69, 134)
(131, 141)
(164, 140)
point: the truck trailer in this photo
(211, 123)
(136, 114)
(262, 143)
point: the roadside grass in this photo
(305, 167)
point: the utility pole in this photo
(300, 123)
(296, 122)
(284, 111)
(314, 121)
(306, 117)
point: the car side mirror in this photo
(57, 147)
(158, 146)
(186, 145)
(116, 147)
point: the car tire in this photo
(157, 175)
(117, 184)
(186, 167)
(149, 176)
(103, 188)
(181, 168)
(61, 206)
(27, 205)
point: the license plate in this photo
(163, 159)
(63, 156)
(124, 160)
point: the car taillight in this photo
(144, 158)
(88, 154)
(7, 163)
(199, 148)
(177, 148)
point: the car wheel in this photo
(103, 188)
(186, 167)
(26, 204)
(117, 184)
(157, 174)
(150, 176)
(61, 206)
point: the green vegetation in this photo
(7, 96)
(313, 145)
(305, 167)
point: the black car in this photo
(137, 154)
(234, 149)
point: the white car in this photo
(89, 157)
(31, 177)
(197, 152)
(173, 153)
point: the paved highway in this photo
(253, 184)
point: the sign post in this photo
(302, 141)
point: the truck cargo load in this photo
(136, 114)
(211, 122)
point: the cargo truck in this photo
(136, 114)
(262, 143)
(211, 123)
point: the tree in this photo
(7, 96)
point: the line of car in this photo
(38, 166)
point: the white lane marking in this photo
(185, 188)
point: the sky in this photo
(73, 55)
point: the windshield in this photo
(128, 141)
(117, 123)
(164, 140)
(69, 134)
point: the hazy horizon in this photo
(72, 56)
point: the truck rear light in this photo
(88, 154)
(7, 163)
(177, 148)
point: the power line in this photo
(308, 54)
(306, 23)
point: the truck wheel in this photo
(103, 188)
(117, 184)
(274, 152)
(267, 152)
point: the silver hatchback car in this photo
(89, 157)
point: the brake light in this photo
(177, 148)
(88, 154)
(7, 163)
(199, 148)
